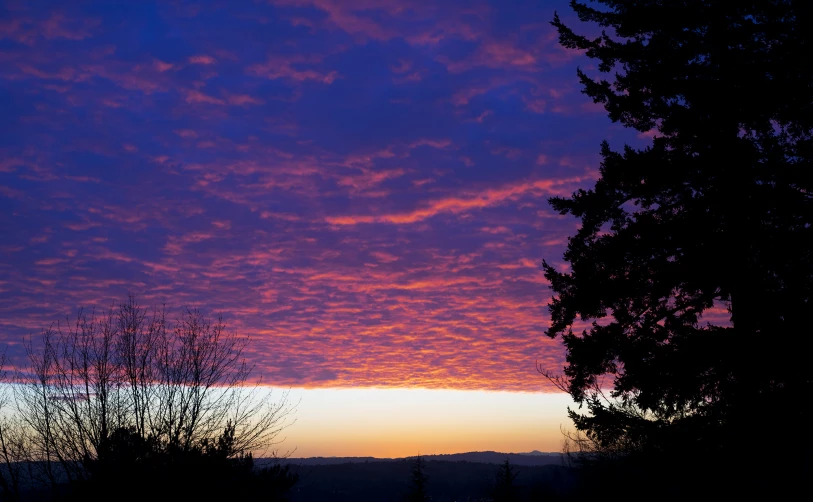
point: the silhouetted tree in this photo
(713, 217)
(504, 488)
(418, 481)
(111, 401)
(14, 457)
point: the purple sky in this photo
(359, 186)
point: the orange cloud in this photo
(459, 205)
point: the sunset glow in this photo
(407, 422)
(360, 187)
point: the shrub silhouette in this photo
(149, 470)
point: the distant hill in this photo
(493, 457)
(534, 458)
(388, 479)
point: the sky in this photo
(359, 186)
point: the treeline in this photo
(420, 479)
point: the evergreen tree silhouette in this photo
(504, 488)
(714, 216)
(418, 481)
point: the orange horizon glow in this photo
(393, 423)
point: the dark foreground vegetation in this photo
(211, 477)
(686, 305)
(444, 481)
(132, 404)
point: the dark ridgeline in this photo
(481, 457)
(444, 481)
(716, 212)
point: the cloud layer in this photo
(358, 186)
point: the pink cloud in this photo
(493, 54)
(195, 96)
(144, 78)
(463, 96)
(27, 30)
(507, 152)
(243, 100)
(202, 59)
(10, 164)
(369, 179)
(402, 66)
(162, 66)
(350, 18)
(176, 244)
(47, 262)
(186, 133)
(383, 256)
(441, 144)
(535, 105)
(291, 69)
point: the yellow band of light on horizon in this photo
(405, 422)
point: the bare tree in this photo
(181, 386)
(14, 445)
